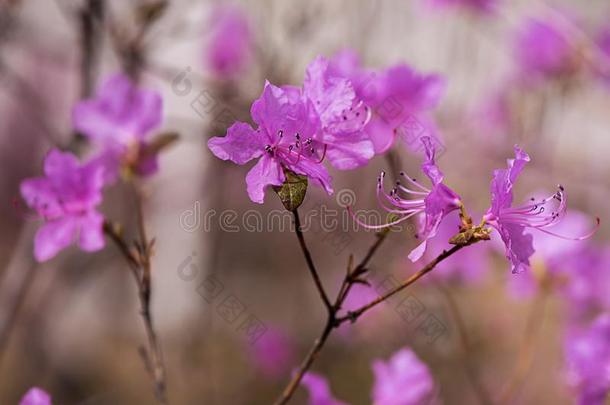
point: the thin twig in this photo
(139, 263)
(354, 315)
(310, 264)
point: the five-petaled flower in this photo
(431, 204)
(66, 199)
(284, 139)
(120, 119)
(511, 222)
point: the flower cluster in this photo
(338, 115)
(118, 122)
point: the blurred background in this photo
(72, 325)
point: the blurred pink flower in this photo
(402, 380)
(119, 119)
(65, 198)
(319, 391)
(285, 138)
(273, 354)
(35, 396)
(230, 44)
(543, 50)
(588, 361)
(431, 204)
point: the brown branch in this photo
(310, 264)
(139, 263)
(331, 321)
(354, 315)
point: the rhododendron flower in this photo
(284, 139)
(120, 119)
(35, 396)
(555, 258)
(588, 361)
(342, 116)
(319, 391)
(230, 44)
(543, 50)
(511, 222)
(398, 97)
(402, 380)
(433, 204)
(66, 198)
(273, 353)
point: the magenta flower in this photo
(398, 98)
(319, 391)
(432, 205)
(543, 50)
(119, 119)
(284, 139)
(342, 116)
(588, 361)
(65, 198)
(402, 380)
(511, 222)
(35, 396)
(273, 353)
(230, 44)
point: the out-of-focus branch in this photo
(139, 260)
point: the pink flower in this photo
(543, 50)
(35, 396)
(511, 222)
(285, 138)
(319, 391)
(588, 361)
(402, 380)
(119, 119)
(432, 205)
(398, 97)
(342, 116)
(66, 199)
(273, 353)
(230, 45)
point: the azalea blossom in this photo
(120, 119)
(319, 391)
(342, 116)
(588, 361)
(411, 199)
(35, 396)
(66, 199)
(284, 139)
(399, 99)
(402, 380)
(512, 222)
(230, 44)
(273, 353)
(543, 50)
